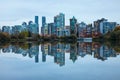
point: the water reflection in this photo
(58, 51)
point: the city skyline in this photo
(16, 12)
(58, 27)
(59, 39)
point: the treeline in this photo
(21, 37)
(28, 36)
(54, 38)
(114, 35)
(110, 36)
(4, 37)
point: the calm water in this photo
(79, 61)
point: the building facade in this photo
(6, 29)
(73, 26)
(107, 27)
(43, 24)
(59, 21)
(81, 28)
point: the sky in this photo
(14, 12)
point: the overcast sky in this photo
(14, 12)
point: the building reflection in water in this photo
(58, 50)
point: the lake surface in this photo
(57, 61)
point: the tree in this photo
(23, 34)
(117, 28)
(4, 37)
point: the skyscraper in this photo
(97, 24)
(33, 27)
(88, 31)
(81, 29)
(43, 24)
(53, 29)
(107, 27)
(36, 19)
(37, 23)
(49, 29)
(73, 23)
(43, 21)
(59, 21)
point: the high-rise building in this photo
(16, 29)
(107, 27)
(53, 28)
(43, 21)
(81, 29)
(36, 19)
(33, 27)
(59, 21)
(43, 24)
(46, 30)
(73, 23)
(49, 28)
(24, 26)
(97, 24)
(37, 23)
(66, 31)
(89, 30)
(6, 29)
